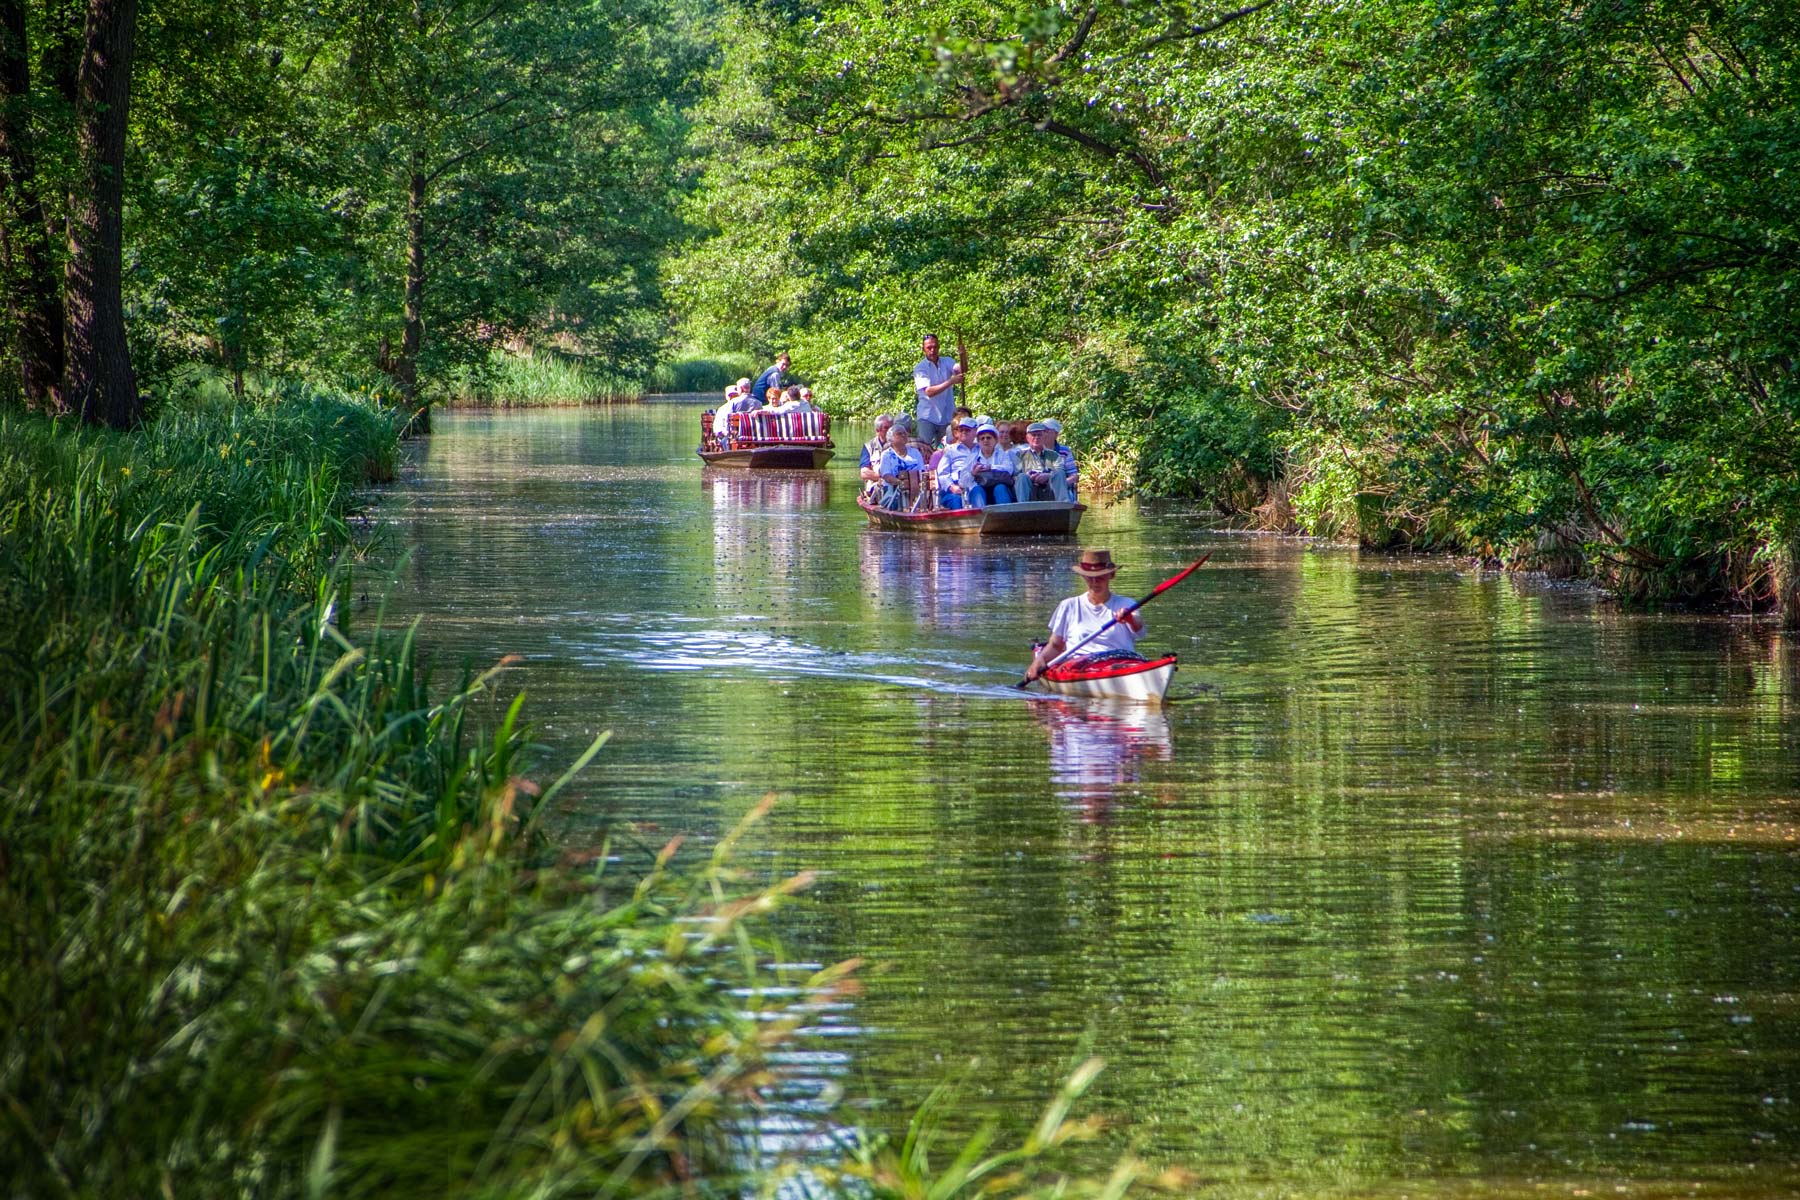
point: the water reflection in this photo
(1452, 883)
(1098, 745)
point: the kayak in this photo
(1119, 676)
(1027, 518)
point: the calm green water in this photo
(1435, 881)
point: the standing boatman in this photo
(934, 382)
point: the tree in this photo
(99, 383)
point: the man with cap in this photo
(1068, 456)
(1041, 475)
(934, 384)
(1079, 616)
(870, 466)
(953, 479)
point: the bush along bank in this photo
(276, 915)
(266, 895)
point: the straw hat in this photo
(1095, 562)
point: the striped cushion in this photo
(806, 428)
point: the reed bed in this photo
(541, 379)
(274, 914)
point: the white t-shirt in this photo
(1076, 617)
(936, 409)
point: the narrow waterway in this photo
(1431, 882)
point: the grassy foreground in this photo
(273, 916)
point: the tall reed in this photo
(273, 917)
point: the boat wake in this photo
(768, 655)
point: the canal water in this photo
(1431, 882)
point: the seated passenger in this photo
(721, 425)
(793, 400)
(870, 463)
(902, 472)
(952, 470)
(1070, 471)
(1041, 474)
(992, 470)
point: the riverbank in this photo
(272, 905)
(274, 902)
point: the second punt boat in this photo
(1030, 517)
(1119, 676)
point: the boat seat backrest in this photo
(808, 428)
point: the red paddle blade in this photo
(1166, 584)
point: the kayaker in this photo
(992, 469)
(902, 472)
(1041, 475)
(1079, 616)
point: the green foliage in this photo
(701, 372)
(271, 909)
(544, 377)
(1449, 273)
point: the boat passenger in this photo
(934, 386)
(1079, 616)
(871, 456)
(1041, 474)
(744, 403)
(792, 402)
(1003, 430)
(902, 472)
(951, 473)
(775, 377)
(721, 425)
(992, 469)
(1070, 470)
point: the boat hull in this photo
(1144, 680)
(1036, 518)
(769, 458)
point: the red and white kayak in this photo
(1119, 676)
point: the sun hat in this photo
(965, 423)
(1053, 425)
(731, 392)
(1095, 562)
(1037, 427)
(986, 427)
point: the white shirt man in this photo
(934, 384)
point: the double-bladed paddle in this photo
(1156, 591)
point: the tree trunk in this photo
(30, 284)
(412, 334)
(99, 383)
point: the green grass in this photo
(275, 916)
(545, 378)
(701, 373)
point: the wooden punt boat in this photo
(1038, 517)
(1114, 676)
(768, 442)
